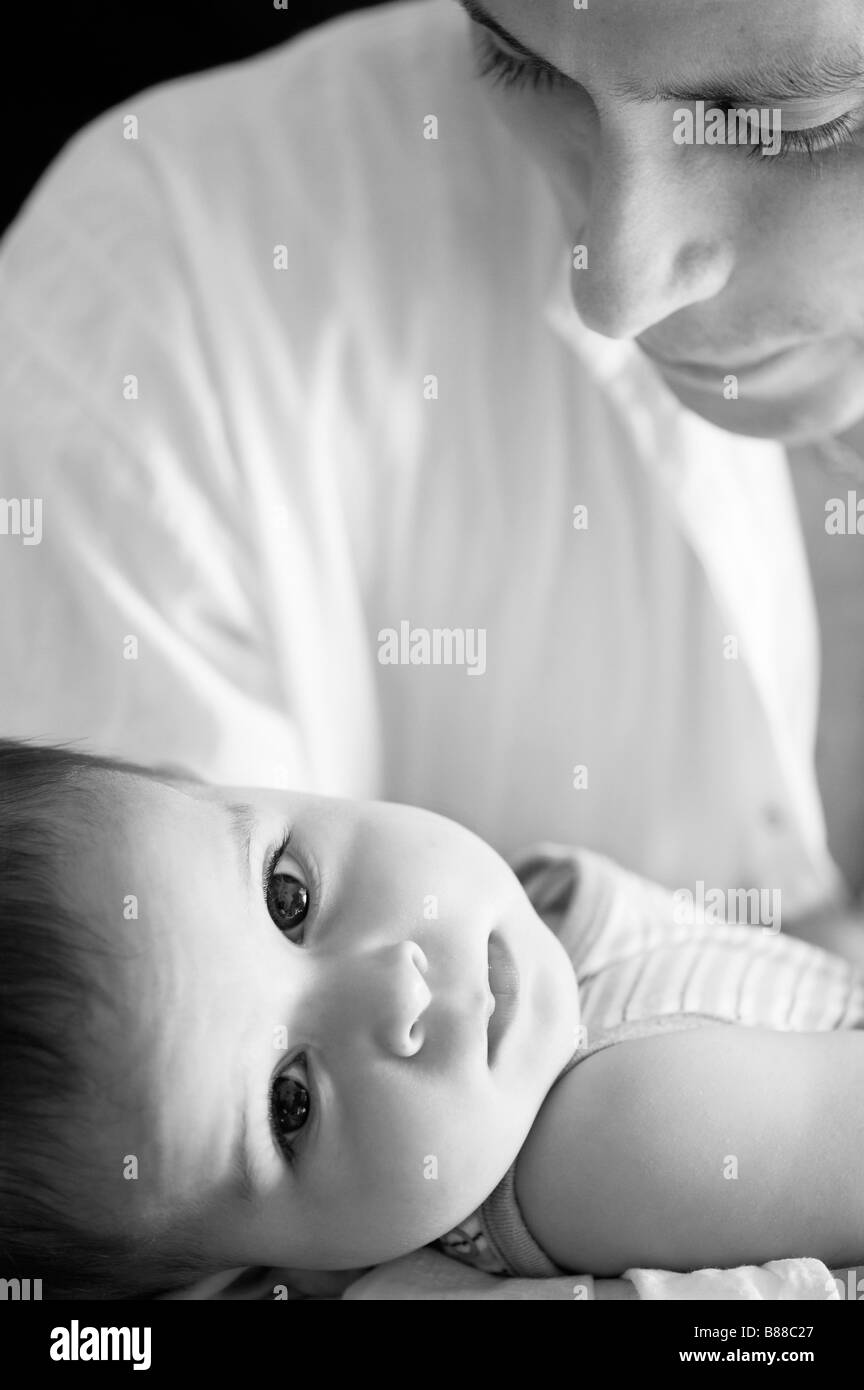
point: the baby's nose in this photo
(388, 987)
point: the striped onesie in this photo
(642, 970)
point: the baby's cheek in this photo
(417, 1191)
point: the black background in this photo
(252, 1344)
(64, 63)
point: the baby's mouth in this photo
(504, 984)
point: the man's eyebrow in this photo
(242, 820)
(831, 74)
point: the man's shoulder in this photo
(353, 90)
(392, 53)
(371, 123)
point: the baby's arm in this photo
(717, 1146)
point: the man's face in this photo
(720, 260)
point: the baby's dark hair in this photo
(48, 984)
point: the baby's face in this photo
(305, 1057)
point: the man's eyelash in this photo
(509, 70)
(819, 139)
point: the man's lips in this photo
(694, 366)
(504, 984)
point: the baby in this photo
(245, 1028)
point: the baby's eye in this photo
(290, 1104)
(288, 901)
(287, 895)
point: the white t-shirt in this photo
(285, 373)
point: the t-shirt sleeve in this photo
(131, 614)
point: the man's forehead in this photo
(689, 49)
(674, 20)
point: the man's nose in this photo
(654, 238)
(378, 995)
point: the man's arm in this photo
(713, 1147)
(428, 1275)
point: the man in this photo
(336, 489)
